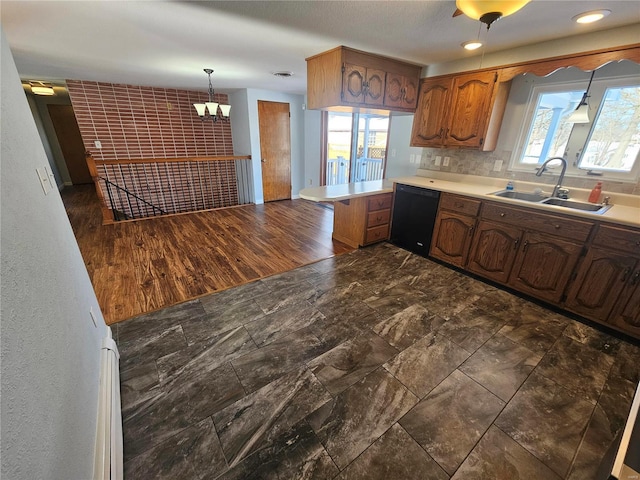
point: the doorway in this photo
(70, 140)
(355, 147)
(274, 121)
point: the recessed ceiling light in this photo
(592, 16)
(472, 45)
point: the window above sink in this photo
(607, 147)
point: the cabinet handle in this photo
(635, 277)
(503, 214)
(638, 243)
(556, 226)
(625, 274)
(471, 230)
(515, 244)
(378, 218)
(525, 245)
(441, 132)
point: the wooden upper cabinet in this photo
(431, 114)
(344, 77)
(401, 91)
(363, 85)
(460, 111)
(470, 109)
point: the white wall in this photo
(246, 134)
(312, 147)
(399, 160)
(50, 348)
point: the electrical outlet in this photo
(310, 181)
(393, 153)
(445, 162)
(412, 158)
(438, 160)
(497, 165)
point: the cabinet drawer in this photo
(378, 217)
(618, 238)
(531, 220)
(380, 202)
(376, 234)
(458, 204)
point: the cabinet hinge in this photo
(343, 69)
(481, 140)
(495, 78)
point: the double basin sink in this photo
(560, 202)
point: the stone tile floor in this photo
(377, 364)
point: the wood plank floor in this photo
(138, 267)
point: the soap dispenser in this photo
(594, 196)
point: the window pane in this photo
(550, 130)
(338, 148)
(614, 141)
(372, 145)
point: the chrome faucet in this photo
(543, 168)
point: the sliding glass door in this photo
(355, 147)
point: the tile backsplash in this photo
(470, 162)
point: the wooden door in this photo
(470, 109)
(543, 266)
(275, 146)
(598, 283)
(70, 140)
(452, 237)
(431, 113)
(494, 250)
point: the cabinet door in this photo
(354, 81)
(493, 250)
(374, 92)
(429, 120)
(470, 109)
(626, 316)
(452, 237)
(598, 283)
(543, 266)
(400, 91)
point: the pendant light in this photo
(211, 106)
(581, 113)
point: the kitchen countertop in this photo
(625, 209)
(336, 193)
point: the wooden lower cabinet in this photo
(494, 250)
(543, 266)
(452, 237)
(362, 221)
(626, 315)
(599, 282)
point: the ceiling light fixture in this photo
(581, 113)
(41, 88)
(488, 11)
(590, 17)
(212, 106)
(472, 45)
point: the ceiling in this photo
(168, 43)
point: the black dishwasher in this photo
(414, 214)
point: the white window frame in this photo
(580, 132)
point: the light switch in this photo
(44, 180)
(445, 162)
(497, 166)
(98, 144)
(438, 160)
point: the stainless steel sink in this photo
(526, 196)
(575, 205)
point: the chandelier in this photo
(211, 106)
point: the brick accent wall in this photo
(134, 122)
